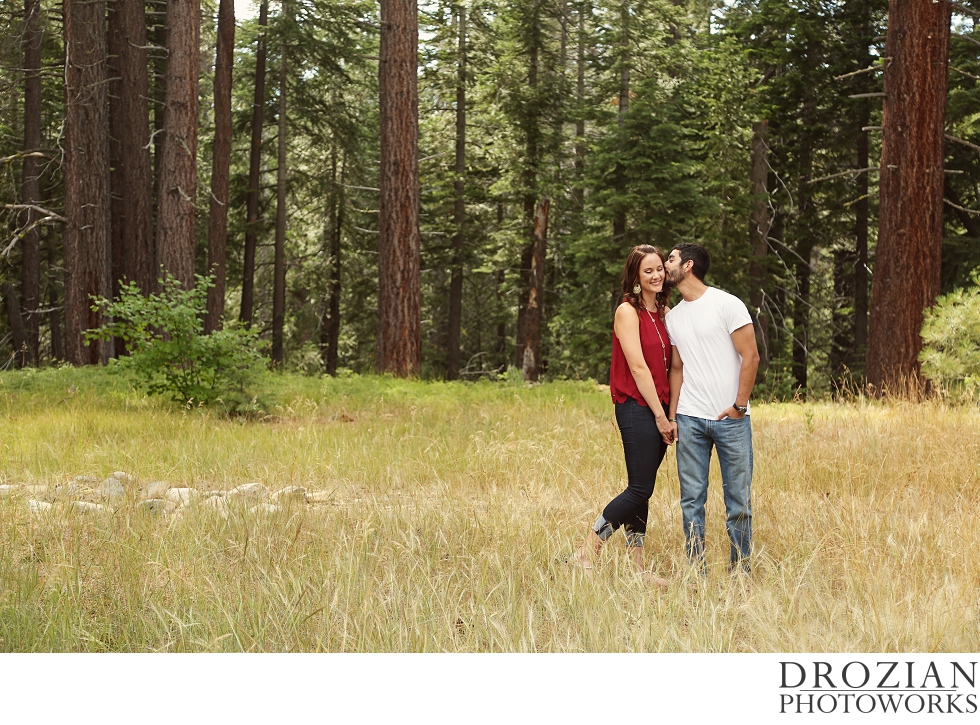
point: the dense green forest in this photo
(752, 127)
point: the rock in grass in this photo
(216, 504)
(68, 490)
(250, 492)
(84, 507)
(8, 489)
(157, 506)
(85, 481)
(265, 508)
(111, 489)
(124, 478)
(290, 494)
(156, 489)
(38, 506)
(182, 496)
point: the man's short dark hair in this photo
(697, 254)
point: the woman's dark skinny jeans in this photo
(644, 449)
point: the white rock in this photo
(157, 506)
(67, 491)
(182, 495)
(217, 504)
(250, 491)
(86, 481)
(37, 490)
(156, 489)
(111, 489)
(265, 508)
(124, 478)
(8, 489)
(38, 506)
(289, 494)
(320, 497)
(84, 507)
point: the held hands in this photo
(668, 430)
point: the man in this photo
(712, 372)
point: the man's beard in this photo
(670, 281)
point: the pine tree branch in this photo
(954, 139)
(849, 172)
(960, 208)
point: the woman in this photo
(638, 382)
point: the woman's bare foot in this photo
(650, 578)
(584, 556)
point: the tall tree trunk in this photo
(279, 271)
(531, 362)
(619, 219)
(399, 349)
(759, 227)
(86, 174)
(254, 166)
(459, 210)
(178, 167)
(54, 316)
(907, 261)
(578, 193)
(31, 172)
(330, 327)
(861, 207)
(157, 43)
(805, 243)
(220, 163)
(842, 341)
(18, 331)
(860, 282)
(132, 244)
(530, 182)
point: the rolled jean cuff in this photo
(602, 528)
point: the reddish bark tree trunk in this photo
(86, 174)
(279, 271)
(399, 348)
(31, 172)
(133, 255)
(907, 262)
(220, 162)
(178, 165)
(254, 164)
(531, 357)
(459, 211)
(330, 324)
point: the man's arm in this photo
(744, 340)
(676, 379)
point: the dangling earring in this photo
(636, 288)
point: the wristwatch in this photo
(741, 409)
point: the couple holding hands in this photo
(684, 376)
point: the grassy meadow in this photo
(442, 513)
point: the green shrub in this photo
(951, 337)
(169, 353)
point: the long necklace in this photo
(663, 345)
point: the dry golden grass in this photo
(445, 513)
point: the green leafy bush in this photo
(170, 354)
(951, 337)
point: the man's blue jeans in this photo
(732, 438)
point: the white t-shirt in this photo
(702, 333)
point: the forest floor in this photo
(440, 516)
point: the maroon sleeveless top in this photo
(652, 334)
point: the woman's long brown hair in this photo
(631, 276)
